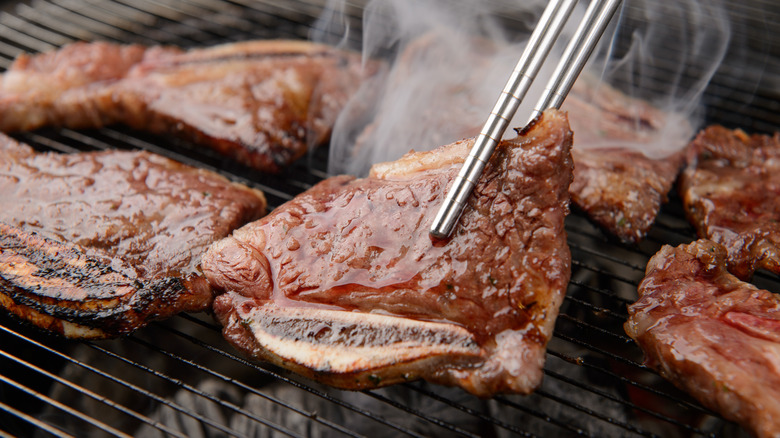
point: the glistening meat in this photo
(262, 103)
(711, 334)
(627, 152)
(620, 188)
(730, 190)
(97, 244)
(343, 284)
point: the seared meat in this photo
(85, 294)
(621, 189)
(711, 334)
(730, 190)
(626, 151)
(259, 102)
(97, 244)
(343, 284)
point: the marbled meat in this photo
(731, 193)
(96, 244)
(262, 103)
(343, 284)
(711, 334)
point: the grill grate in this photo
(180, 378)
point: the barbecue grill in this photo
(180, 378)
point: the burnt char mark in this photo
(114, 318)
(99, 296)
(527, 128)
(96, 291)
(100, 317)
(91, 272)
(162, 294)
(54, 260)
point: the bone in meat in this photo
(97, 244)
(343, 284)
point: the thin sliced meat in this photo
(96, 244)
(711, 334)
(730, 191)
(620, 188)
(262, 103)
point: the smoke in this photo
(447, 62)
(663, 53)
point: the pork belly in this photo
(711, 334)
(344, 284)
(97, 244)
(730, 191)
(262, 103)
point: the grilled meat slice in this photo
(711, 334)
(343, 284)
(260, 102)
(626, 151)
(620, 188)
(730, 191)
(96, 244)
(85, 294)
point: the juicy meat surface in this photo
(96, 244)
(616, 184)
(620, 189)
(259, 102)
(343, 284)
(711, 334)
(730, 191)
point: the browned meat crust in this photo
(63, 288)
(260, 102)
(730, 190)
(711, 334)
(343, 284)
(97, 244)
(622, 190)
(619, 188)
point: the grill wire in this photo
(180, 378)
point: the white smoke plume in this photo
(449, 60)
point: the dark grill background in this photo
(179, 377)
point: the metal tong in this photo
(576, 54)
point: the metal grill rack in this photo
(180, 378)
